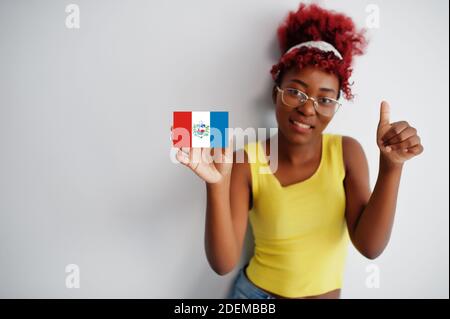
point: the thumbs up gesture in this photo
(398, 141)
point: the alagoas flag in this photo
(200, 129)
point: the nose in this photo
(307, 108)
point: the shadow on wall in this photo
(262, 106)
(263, 109)
(247, 253)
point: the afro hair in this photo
(313, 23)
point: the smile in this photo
(301, 124)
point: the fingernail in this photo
(388, 149)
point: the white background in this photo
(85, 175)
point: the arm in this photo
(370, 216)
(228, 191)
(226, 218)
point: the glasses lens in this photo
(294, 97)
(324, 105)
(327, 106)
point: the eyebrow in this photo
(306, 86)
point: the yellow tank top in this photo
(300, 232)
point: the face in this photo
(316, 84)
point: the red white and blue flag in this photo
(200, 129)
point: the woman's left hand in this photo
(398, 141)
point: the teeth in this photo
(301, 124)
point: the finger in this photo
(189, 152)
(396, 129)
(219, 152)
(186, 150)
(416, 149)
(182, 157)
(385, 111)
(230, 140)
(402, 136)
(229, 150)
(228, 143)
(409, 142)
(196, 154)
(206, 155)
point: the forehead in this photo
(313, 76)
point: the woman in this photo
(304, 214)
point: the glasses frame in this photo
(315, 103)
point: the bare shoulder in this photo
(241, 166)
(241, 180)
(350, 143)
(353, 152)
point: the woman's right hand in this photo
(212, 165)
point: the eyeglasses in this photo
(325, 106)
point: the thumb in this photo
(229, 149)
(385, 111)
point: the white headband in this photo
(321, 45)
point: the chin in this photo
(298, 138)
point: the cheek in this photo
(322, 123)
(281, 116)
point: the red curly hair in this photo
(313, 23)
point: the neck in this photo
(298, 153)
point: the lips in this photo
(301, 123)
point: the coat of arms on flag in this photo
(200, 129)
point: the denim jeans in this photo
(243, 288)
